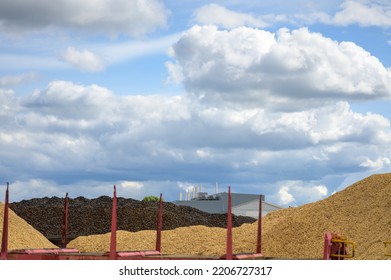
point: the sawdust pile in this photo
(22, 235)
(361, 212)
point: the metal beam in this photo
(4, 239)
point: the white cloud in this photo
(310, 18)
(364, 13)
(33, 188)
(339, 122)
(288, 70)
(85, 55)
(203, 153)
(7, 81)
(323, 125)
(360, 12)
(175, 74)
(377, 164)
(84, 60)
(76, 134)
(131, 185)
(348, 12)
(66, 99)
(134, 18)
(292, 192)
(284, 196)
(219, 15)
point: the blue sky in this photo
(285, 98)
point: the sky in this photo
(289, 99)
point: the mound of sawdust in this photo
(360, 213)
(22, 235)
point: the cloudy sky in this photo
(285, 98)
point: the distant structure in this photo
(242, 204)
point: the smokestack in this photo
(217, 188)
(180, 196)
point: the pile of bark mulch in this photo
(93, 216)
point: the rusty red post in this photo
(4, 240)
(159, 225)
(228, 255)
(113, 237)
(64, 228)
(259, 237)
(327, 246)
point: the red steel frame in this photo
(113, 236)
(73, 254)
(64, 228)
(4, 239)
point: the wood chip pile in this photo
(21, 234)
(360, 212)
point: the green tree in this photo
(151, 198)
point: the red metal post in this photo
(327, 246)
(64, 228)
(228, 255)
(4, 240)
(259, 237)
(113, 240)
(159, 225)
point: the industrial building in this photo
(242, 204)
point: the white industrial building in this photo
(242, 204)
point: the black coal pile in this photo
(93, 216)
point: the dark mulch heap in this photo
(93, 216)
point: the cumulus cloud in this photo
(84, 60)
(364, 13)
(284, 196)
(79, 135)
(294, 192)
(134, 18)
(219, 15)
(287, 70)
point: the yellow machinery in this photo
(337, 247)
(387, 252)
